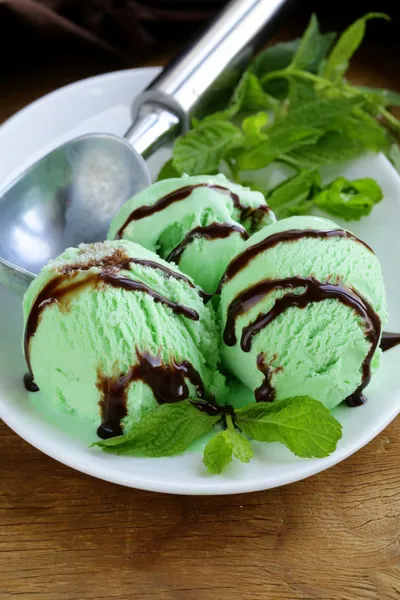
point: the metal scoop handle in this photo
(224, 49)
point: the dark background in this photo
(132, 30)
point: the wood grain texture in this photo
(66, 536)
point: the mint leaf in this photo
(308, 47)
(347, 44)
(302, 424)
(240, 446)
(280, 56)
(332, 147)
(281, 139)
(351, 137)
(323, 43)
(253, 127)
(217, 454)
(275, 58)
(219, 116)
(364, 129)
(219, 450)
(250, 96)
(293, 196)
(167, 171)
(300, 92)
(201, 150)
(379, 96)
(165, 431)
(219, 95)
(322, 112)
(349, 200)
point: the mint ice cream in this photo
(199, 223)
(111, 330)
(302, 308)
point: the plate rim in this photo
(224, 487)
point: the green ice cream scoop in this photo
(199, 223)
(302, 308)
(111, 330)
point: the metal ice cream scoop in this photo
(71, 195)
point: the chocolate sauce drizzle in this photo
(210, 232)
(315, 291)
(167, 382)
(51, 293)
(29, 384)
(210, 407)
(290, 235)
(389, 340)
(58, 289)
(266, 392)
(255, 214)
(120, 261)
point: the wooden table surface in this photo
(66, 536)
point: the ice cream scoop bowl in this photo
(67, 198)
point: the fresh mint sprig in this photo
(294, 196)
(349, 199)
(302, 424)
(294, 105)
(165, 431)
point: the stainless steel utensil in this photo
(70, 195)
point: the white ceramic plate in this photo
(103, 104)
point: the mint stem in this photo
(229, 422)
(290, 72)
(391, 119)
(289, 161)
(326, 83)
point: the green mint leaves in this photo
(168, 171)
(280, 140)
(280, 56)
(322, 113)
(338, 60)
(249, 96)
(220, 449)
(217, 454)
(349, 200)
(302, 424)
(312, 47)
(253, 127)
(165, 431)
(293, 105)
(294, 195)
(202, 149)
(380, 97)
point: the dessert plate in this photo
(103, 104)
